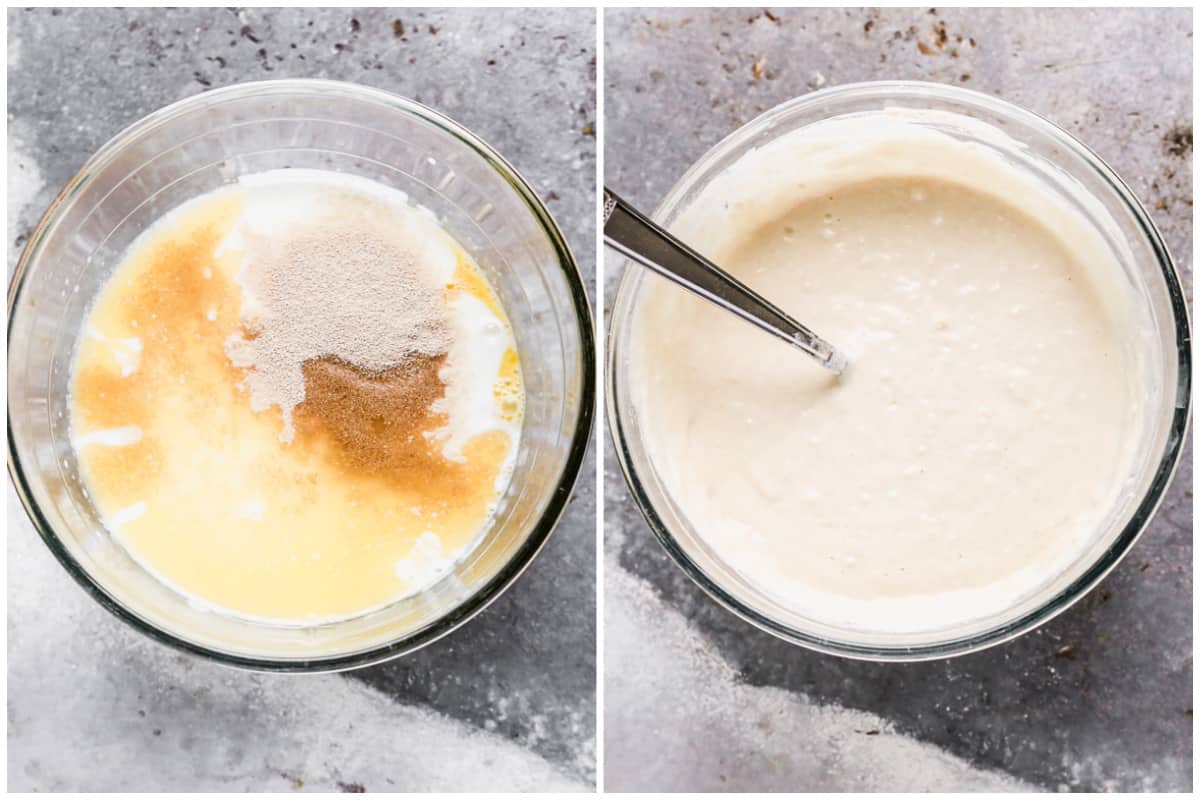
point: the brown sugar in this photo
(378, 420)
(382, 425)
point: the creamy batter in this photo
(254, 447)
(984, 427)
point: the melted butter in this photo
(325, 527)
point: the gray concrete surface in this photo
(508, 702)
(1098, 699)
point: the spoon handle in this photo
(634, 236)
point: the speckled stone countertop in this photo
(508, 701)
(1098, 699)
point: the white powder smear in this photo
(126, 352)
(480, 341)
(110, 437)
(253, 509)
(425, 564)
(127, 514)
(669, 693)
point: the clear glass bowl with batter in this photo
(1068, 169)
(201, 144)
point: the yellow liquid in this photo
(209, 498)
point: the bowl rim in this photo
(1142, 514)
(569, 470)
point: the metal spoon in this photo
(634, 236)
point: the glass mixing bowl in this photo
(1065, 166)
(207, 141)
